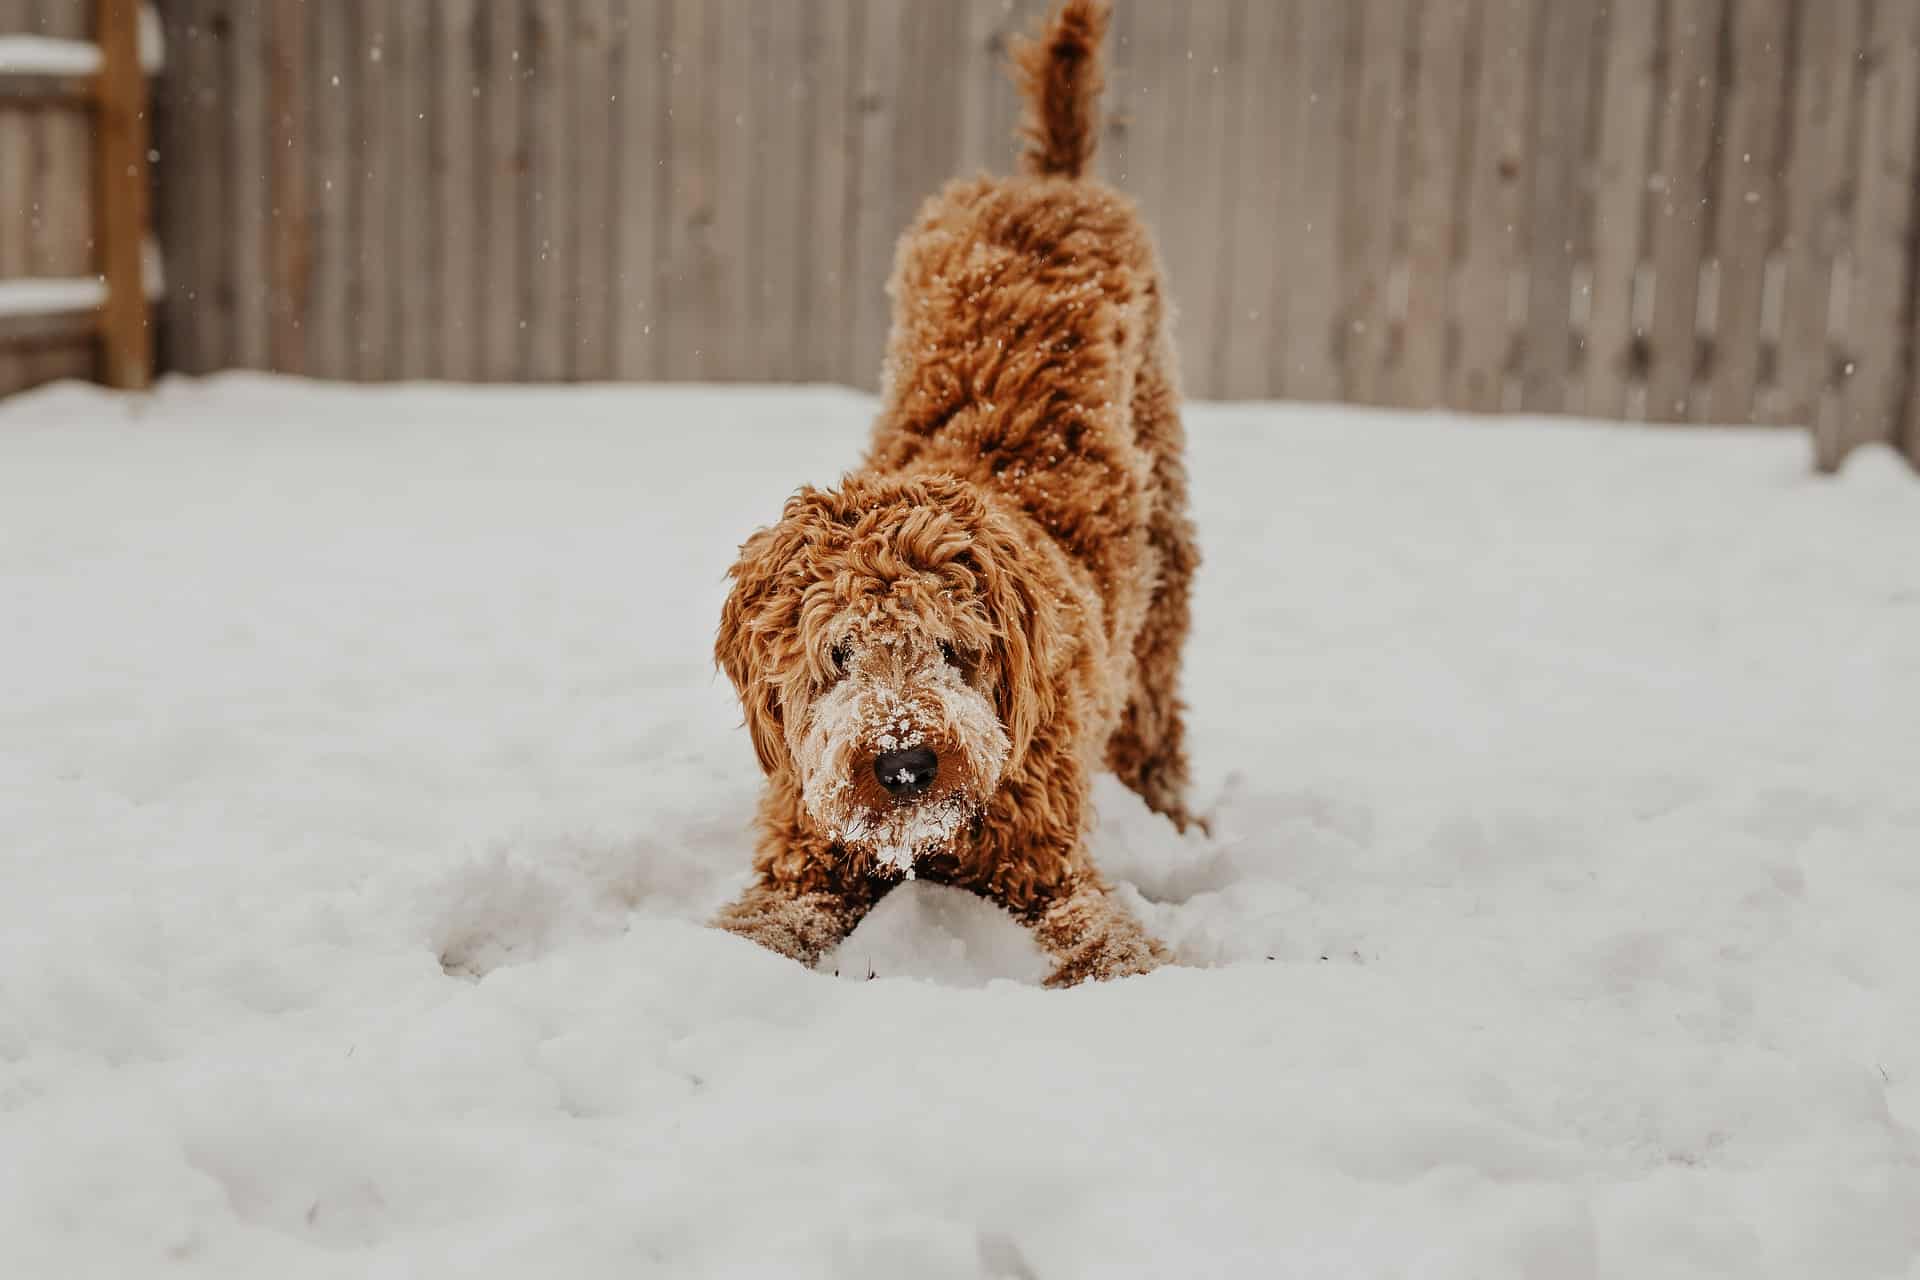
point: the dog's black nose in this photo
(906, 773)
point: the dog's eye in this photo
(957, 660)
(842, 655)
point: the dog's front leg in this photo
(1092, 937)
(795, 923)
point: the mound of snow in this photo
(364, 781)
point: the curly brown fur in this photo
(1059, 75)
(803, 925)
(1003, 583)
(1092, 936)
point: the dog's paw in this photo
(1119, 954)
(801, 926)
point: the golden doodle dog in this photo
(936, 656)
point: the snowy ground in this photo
(364, 780)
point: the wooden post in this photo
(126, 335)
(290, 238)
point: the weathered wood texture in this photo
(1656, 209)
(46, 196)
(121, 184)
(74, 193)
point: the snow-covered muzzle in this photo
(894, 693)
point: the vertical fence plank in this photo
(16, 176)
(244, 104)
(371, 300)
(170, 199)
(1249, 341)
(1819, 199)
(413, 287)
(1439, 68)
(745, 111)
(782, 223)
(919, 86)
(643, 72)
(1627, 97)
(1559, 145)
(688, 270)
(202, 313)
(1122, 66)
(988, 109)
(1494, 204)
(592, 135)
(216, 228)
(546, 55)
(871, 214)
(1287, 206)
(733, 352)
(335, 169)
(1212, 70)
(1878, 315)
(925, 92)
(1312, 285)
(984, 32)
(831, 173)
(1291, 210)
(1371, 197)
(504, 182)
(1749, 202)
(1199, 176)
(1150, 100)
(1160, 42)
(127, 34)
(457, 242)
(288, 154)
(1681, 207)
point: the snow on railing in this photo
(73, 295)
(54, 58)
(51, 297)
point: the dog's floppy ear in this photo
(1030, 649)
(758, 624)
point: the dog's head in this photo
(892, 647)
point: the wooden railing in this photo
(74, 193)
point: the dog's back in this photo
(1028, 349)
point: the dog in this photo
(936, 656)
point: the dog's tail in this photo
(1059, 74)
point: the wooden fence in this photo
(1695, 210)
(74, 192)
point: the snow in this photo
(51, 296)
(63, 295)
(48, 55)
(55, 56)
(364, 781)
